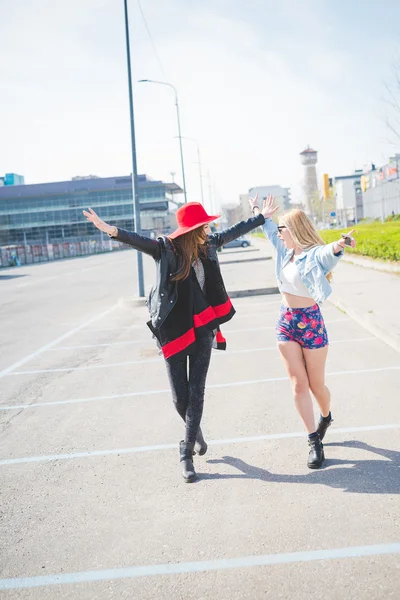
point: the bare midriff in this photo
(296, 301)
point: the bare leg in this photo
(315, 365)
(293, 359)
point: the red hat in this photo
(189, 217)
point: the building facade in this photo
(52, 212)
(12, 179)
(349, 198)
(381, 190)
(244, 207)
(281, 194)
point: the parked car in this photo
(240, 242)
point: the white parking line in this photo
(218, 564)
(216, 354)
(86, 367)
(158, 359)
(41, 281)
(143, 326)
(238, 315)
(100, 345)
(168, 391)
(54, 342)
(124, 328)
(153, 448)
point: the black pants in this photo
(188, 390)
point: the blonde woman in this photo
(303, 270)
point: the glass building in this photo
(12, 179)
(52, 212)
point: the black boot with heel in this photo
(324, 423)
(200, 445)
(186, 457)
(316, 455)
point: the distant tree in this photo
(321, 209)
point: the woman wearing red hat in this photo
(187, 306)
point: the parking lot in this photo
(93, 505)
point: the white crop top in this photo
(291, 282)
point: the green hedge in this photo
(377, 240)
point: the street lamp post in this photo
(136, 204)
(199, 163)
(179, 126)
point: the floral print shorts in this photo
(302, 325)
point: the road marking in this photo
(158, 359)
(101, 345)
(218, 564)
(153, 448)
(237, 316)
(125, 328)
(55, 342)
(57, 276)
(168, 391)
(87, 367)
(216, 354)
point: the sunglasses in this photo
(280, 227)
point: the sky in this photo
(257, 80)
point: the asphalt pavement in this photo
(92, 502)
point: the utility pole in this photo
(135, 191)
(179, 136)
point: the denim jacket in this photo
(313, 265)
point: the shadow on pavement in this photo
(4, 277)
(362, 477)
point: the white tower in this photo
(309, 159)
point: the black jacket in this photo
(164, 293)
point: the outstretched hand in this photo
(342, 241)
(268, 208)
(97, 222)
(253, 201)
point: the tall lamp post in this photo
(179, 125)
(199, 163)
(136, 204)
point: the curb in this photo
(367, 321)
(244, 260)
(371, 263)
(133, 302)
(256, 292)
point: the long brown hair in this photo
(190, 247)
(303, 231)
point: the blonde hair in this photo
(302, 230)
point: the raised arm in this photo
(139, 242)
(269, 228)
(223, 237)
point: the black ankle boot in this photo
(186, 456)
(323, 426)
(316, 456)
(200, 445)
